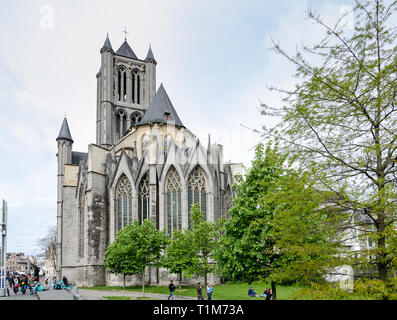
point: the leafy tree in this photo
(339, 122)
(203, 241)
(179, 254)
(306, 230)
(247, 246)
(136, 246)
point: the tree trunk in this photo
(180, 280)
(143, 282)
(274, 292)
(123, 280)
(206, 283)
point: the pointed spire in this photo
(150, 56)
(161, 110)
(126, 51)
(64, 133)
(107, 46)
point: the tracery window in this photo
(136, 86)
(121, 123)
(121, 84)
(143, 199)
(81, 221)
(197, 192)
(173, 201)
(135, 117)
(123, 203)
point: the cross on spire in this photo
(125, 33)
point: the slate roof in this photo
(78, 156)
(161, 105)
(126, 51)
(107, 44)
(150, 56)
(64, 133)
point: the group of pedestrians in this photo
(22, 282)
(267, 294)
(210, 290)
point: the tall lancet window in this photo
(81, 221)
(121, 124)
(197, 192)
(143, 199)
(136, 86)
(123, 203)
(118, 85)
(173, 201)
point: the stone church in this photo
(145, 164)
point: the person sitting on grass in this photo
(251, 292)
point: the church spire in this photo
(150, 56)
(107, 45)
(64, 133)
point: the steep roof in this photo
(107, 44)
(126, 51)
(160, 108)
(150, 56)
(64, 133)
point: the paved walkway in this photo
(54, 295)
(88, 294)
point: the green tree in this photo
(203, 241)
(246, 248)
(179, 254)
(136, 246)
(339, 122)
(306, 230)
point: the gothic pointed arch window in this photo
(197, 192)
(81, 221)
(136, 86)
(143, 199)
(120, 117)
(123, 202)
(121, 84)
(135, 117)
(173, 201)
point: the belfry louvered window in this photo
(173, 201)
(136, 86)
(123, 203)
(143, 199)
(197, 192)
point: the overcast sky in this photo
(214, 60)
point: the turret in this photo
(105, 96)
(150, 63)
(64, 155)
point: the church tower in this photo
(126, 86)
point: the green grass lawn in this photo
(128, 298)
(229, 291)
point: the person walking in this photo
(199, 292)
(269, 294)
(171, 287)
(65, 281)
(210, 290)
